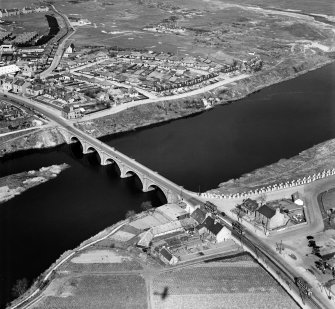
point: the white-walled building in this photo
(296, 198)
(9, 69)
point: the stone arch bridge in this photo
(128, 167)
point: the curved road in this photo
(60, 47)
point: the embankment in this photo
(43, 138)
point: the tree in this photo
(262, 198)
(130, 213)
(146, 205)
(20, 286)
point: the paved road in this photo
(122, 107)
(61, 46)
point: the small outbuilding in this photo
(297, 199)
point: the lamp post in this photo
(181, 192)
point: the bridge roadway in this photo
(248, 239)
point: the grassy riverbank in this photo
(311, 161)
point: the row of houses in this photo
(271, 218)
(167, 60)
(21, 86)
(25, 10)
(187, 83)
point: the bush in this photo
(20, 286)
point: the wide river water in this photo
(37, 226)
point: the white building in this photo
(296, 198)
(7, 48)
(9, 69)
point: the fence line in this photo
(275, 187)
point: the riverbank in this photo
(110, 266)
(157, 113)
(309, 162)
(40, 139)
(13, 185)
(160, 112)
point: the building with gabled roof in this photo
(249, 206)
(3, 13)
(198, 215)
(270, 218)
(145, 239)
(18, 85)
(9, 69)
(215, 229)
(167, 257)
(7, 84)
(35, 89)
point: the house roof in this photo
(250, 204)
(198, 215)
(146, 238)
(164, 252)
(19, 82)
(171, 211)
(267, 211)
(211, 226)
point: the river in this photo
(204, 150)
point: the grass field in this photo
(27, 23)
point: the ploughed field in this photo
(221, 285)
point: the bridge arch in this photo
(134, 175)
(76, 140)
(76, 146)
(157, 188)
(108, 161)
(112, 164)
(93, 153)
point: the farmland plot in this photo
(227, 286)
(103, 292)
